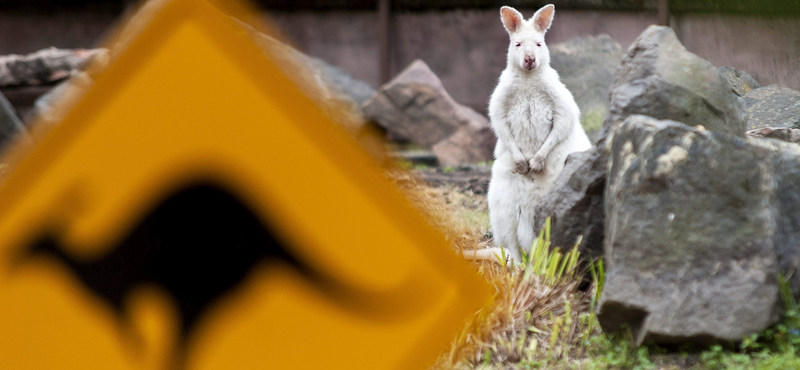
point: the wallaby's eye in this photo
(538, 44)
(518, 44)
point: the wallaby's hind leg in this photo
(525, 232)
(504, 216)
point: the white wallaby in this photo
(537, 124)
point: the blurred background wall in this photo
(461, 40)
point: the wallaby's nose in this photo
(529, 62)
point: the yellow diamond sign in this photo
(194, 210)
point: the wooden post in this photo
(384, 7)
(663, 12)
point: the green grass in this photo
(592, 120)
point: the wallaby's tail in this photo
(494, 254)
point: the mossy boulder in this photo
(698, 226)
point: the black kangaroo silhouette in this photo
(198, 245)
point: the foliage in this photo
(783, 337)
(592, 120)
(617, 351)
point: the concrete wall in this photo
(466, 48)
(767, 48)
(24, 33)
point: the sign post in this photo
(194, 210)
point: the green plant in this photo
(538, 313)
(616, 351)
(549, 264)
(782, 338)
(598, 273)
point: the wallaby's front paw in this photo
(537, 163)
(521, 167)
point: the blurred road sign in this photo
(194, 211)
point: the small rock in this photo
(741, 82)
(790, 135)
(773, 106)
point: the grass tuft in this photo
(538, 316)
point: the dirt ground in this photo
(462, 194)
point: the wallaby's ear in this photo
(512, 19)
(544, 17)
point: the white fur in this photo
(537, 124)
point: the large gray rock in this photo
(46, 65)
(741, 82)
(328, 82)
(338, 94)
(785, 205)
(574, 203)
(415, 106)
(661, 79)
(50, 108)
(330, 79)
(11, 126)
(658, 78)
(693, 232)
(356, 89)
(587, 67)
(773, 106)
(32, 75)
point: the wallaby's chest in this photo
(528, 111)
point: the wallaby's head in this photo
(527, 49)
